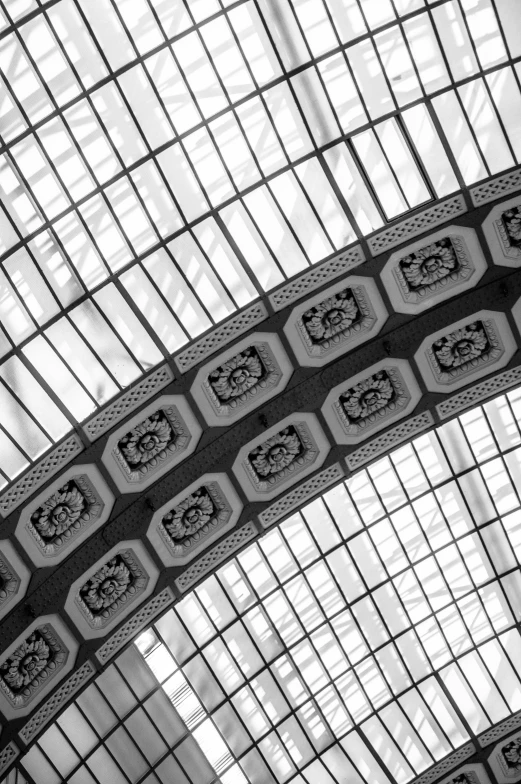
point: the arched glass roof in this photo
(164, 163)
(363, 640)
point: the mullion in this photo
(508, 659)
(499, 118)
(31, 416)
(335, 187)
(94, 353)
(391, 168)
(404, 131)
(141, 319)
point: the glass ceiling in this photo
(359, 642)
(165, 162)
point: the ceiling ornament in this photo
(240, 379)
(502, 228)
(112, 588)
(151, 443)
(468, 774)
(32, 665)
(371, 400)
(335, 321)
(505, 759)
(195, 518)
(466, 350)
(427, 272)
(281, 456)
(65, 514)
(14, 577)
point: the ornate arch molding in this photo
(317, 422)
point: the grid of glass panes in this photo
(162, 163)
(361, 641)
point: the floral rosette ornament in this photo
(26, 663)
(276, 454)
(512, 753)
(190, 516)
(368, 397)
(512, 223)
(64, 511)
(429, 265)
(234, 378)
(110, 583)
(461, 346)
(335, 315)
(147, 442)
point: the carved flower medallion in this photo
(237, 376)
(429, 265)
(460, 347)
(368, 397)
(29, 665)
(332, 317)
(512, 222)
(8, 580)
(64, 512)
(147, 443)
(191, 516)
(271, 457)
(511, 753)
(107, 585)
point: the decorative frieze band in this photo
(505, 727)
(378, 446)
(316, 277)
(127, 402)
(60, 697)
(42, 471)
(142, 618)
(221, 336)
(305, 491)
(7, 756)
(479, 393)
(417, 224)
(496, 188)
(450, 762)
(210, 560)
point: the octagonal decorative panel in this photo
(64, 514)
(465, 351)
(502, 228)
(148, 445)
(195, 518)
(433, 269)
(34, 663)
(505, 760)
(250, 373)
(336, 320)
(371, 400)
(284, 454)
(112, 588)
(14, 577)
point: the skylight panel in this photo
(397, 64)
(118, 124)
(426, 53)
(70, 30)
(67, 159)
(484, 28)
(260, 134)
(276, 231)
(103, 228)
(177, 171)
(255, 43)
(353, 187)
(227, 58)
(43, 183)
(200, 74)
(285, 33)
(130, 218)
(173, 16)
(153, 192)
(314, 105)
(404, 166)
(177, 293)
(14, 316)
(342, 92)
(485, 125)
(31, 288)
(23, 80)
(141, 24)
(173, 91)
(459, 136)
(16, 200)
(49, 60)
(455, 40)
(380, 173)
(148, 112)
(370, 79)
(208, 167)
(347, 19)
(19, 425)
(235, 151)
(59, 378)
(12, 122)
(108, 33)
